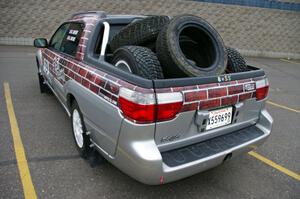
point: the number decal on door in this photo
(58, 69)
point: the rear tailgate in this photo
(212, 106)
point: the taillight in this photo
(262, 89)
(145, 108)
(136, 106)
(168, 105)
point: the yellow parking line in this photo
(284, 107)
(275, 166)
(28, 188)
(292, 62)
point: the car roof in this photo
(99, 15)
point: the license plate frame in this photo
(219, 118)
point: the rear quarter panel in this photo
(95, 92)
(102, 119)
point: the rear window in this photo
(114, 29)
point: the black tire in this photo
(139, 33)
(138, 60)
(84, 149)
(44, 88)
(190, 46)
(236, 63)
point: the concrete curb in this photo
(20, 41)
(269, 54)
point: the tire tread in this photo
(146, 61)
(236, 62)
(141, 33)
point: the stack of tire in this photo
(158, 47)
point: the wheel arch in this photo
(70, 100)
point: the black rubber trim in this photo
(210, 147)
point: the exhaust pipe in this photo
(227, 157)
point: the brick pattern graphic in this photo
(206, 96)
(90, 23)
(197, 97)
(98, 82)
(245, 28)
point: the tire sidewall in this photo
(172, 32)
(44, 88)
(41, 83)
(85, 149)
(121, 54)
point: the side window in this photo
(114, 29)
(58, 37)
(71, 39)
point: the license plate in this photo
(219, 117)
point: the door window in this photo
(66, 38)
(58, 37)
(71, 40)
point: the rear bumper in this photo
(143, 161)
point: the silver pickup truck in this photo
(155, 130)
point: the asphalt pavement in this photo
(58, 172)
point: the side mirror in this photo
(40, 43)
